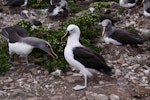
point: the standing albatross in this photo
(81, 57)
(119, 36)
(23, 46)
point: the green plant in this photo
(75, 7)
(38, 3)
(86, 23)
(99, 5)
(4, 65)
(131, 28)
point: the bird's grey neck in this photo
(32, 41)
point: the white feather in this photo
(110, 40)
(146, 14)
(21, 49)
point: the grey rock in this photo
(56, 98)
(95, 96)
(114, 97)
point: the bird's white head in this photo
(73, 33)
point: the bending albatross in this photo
(119, 36)
(81, 57)
(23, 46)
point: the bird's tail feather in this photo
(5, 35)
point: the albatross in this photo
(119, 36)
(146, 8)
(16, 3)
(82, 58)
(28, 16)
(58, 7)
(127, 3)
(23, 46)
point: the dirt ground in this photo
(130, 81)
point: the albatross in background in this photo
(146, 8)
(119, 36)
(127, 3)
(58, 7)
(16, 3)
(82, 58)
(23, 46)
(28, 16)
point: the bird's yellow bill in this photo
(27, 15)
(103, 32)
(142, 2)
(66, 34)
(52, 53)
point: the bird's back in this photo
(91, 59)
(14, 3)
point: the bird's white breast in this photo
(126, 4)
(68, 53)
(110, 40)
(146, 14)
(20, 48)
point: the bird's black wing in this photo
(35, 22)
(126, 37)
(90, 59)
(51, 8)
(21, 31)
(148, 10)
(18, 29)
(14, 3)
(4, 34)
(131, 1)
(13, 36)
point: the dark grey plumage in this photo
(119, 36)
(91, 59)
(20, 31)
(16, 3)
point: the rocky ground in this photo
(130, 81)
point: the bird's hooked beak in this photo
(27, 15)
(65, 35)
(142, 2)
(104, 28)
(52, 53)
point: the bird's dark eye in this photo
(71, 30)
(47, 46)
